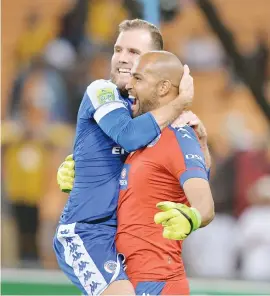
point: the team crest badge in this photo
(110, 266)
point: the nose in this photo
(123, 58)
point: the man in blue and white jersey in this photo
(84, 241)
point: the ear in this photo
(164, 87)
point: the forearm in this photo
(206, 212)
(130, 134)
(207, 215)
(199, 195)
(167, 114)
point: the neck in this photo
(166, 99)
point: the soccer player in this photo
(170, 170)
(84, 241)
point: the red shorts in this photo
(175, 287)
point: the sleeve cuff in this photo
(193, 173)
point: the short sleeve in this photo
(104, 97)
(189, 163)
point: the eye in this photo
(137, 78)
(117, 49)
(132, 51)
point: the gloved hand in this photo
(65, 174)
(177, 219)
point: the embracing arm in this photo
(115, 120)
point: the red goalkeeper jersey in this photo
(150, 175)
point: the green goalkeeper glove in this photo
(177, 219)
(65, 174)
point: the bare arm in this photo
(199, 195)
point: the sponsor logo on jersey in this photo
(110, 266)
(123, 173)
(118, 150)
(194, 156)
(124, 177)
(105, 95)
(153, 143)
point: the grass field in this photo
(38, 282)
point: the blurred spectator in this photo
(104, 17)
(257, 56)
(72, 24)
(50, 72)
(169, 9)
(253, 232)
(96, 65)
(202, 52)
(28, 148)
(34, 38)
(134, 8)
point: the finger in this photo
(66, 179)
(179, 223)
(175, 221)
(161, 217)
(69, 157)
(69, 165)
(165, 205)
(194, 123)
(66, 187)
(186, 70)
(186, 76)
(173, 235)
(187, 116)
(186, 84)
(66, 172)
(186, 80)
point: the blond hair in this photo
(128, 25)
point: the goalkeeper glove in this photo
(177, 219)
(65, 174)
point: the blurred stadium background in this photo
(52, 49)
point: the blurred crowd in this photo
(56, 61)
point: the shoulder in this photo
(188, 142)
(100, 84)
(102, 91)
(184, 133)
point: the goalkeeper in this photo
(171, 170)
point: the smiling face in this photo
(143, 86)
(128, 47)
(155, 79)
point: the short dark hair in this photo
(127, 25)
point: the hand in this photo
(65, 174)
(186, 88)
(177, 219)
(191, 119)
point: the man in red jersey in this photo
(170, 170)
